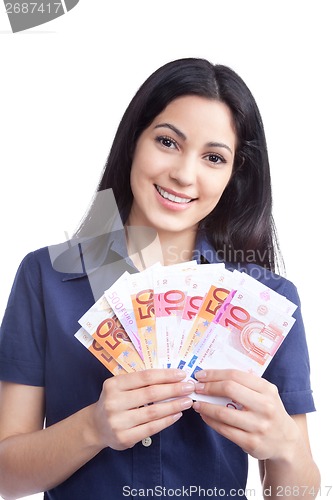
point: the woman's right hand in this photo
(136, 405)
(121, 417)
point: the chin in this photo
(174, 228)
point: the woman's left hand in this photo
(262, 428)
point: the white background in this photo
(65, 85)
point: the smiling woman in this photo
(178, 178)
(241, 222)
(189, 160)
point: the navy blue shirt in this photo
(38, 347)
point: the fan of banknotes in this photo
(187, 316)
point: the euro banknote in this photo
(102, 324)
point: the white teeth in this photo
(172, 197)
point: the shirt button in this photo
(147, 441)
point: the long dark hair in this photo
(240, 227)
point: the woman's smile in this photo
(171, 200)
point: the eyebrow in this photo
(219, 145)
(183, 136)
(172, 127)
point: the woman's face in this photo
(182, 164)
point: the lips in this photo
(172, 197)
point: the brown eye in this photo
(216, 159)
(167, 142)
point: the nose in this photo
(184, 170)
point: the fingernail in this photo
(177, 416)
(200, 374)
(188, 387)
(196, 406)
(179, 374)
(186, 403)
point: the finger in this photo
(233, 433)
(136, 434)
(148, 377)
(231, 383)
(155, 411)
(250, 380)
(232, 390)
(158, 393)
(221, 416)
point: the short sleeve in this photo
(289, 370)
(22, 332)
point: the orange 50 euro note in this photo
(142, 295)
(103, 325)
(99, 352)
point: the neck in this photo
(146, 246)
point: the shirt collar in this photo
(91, 254)
(77, 258)
(205, 252)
